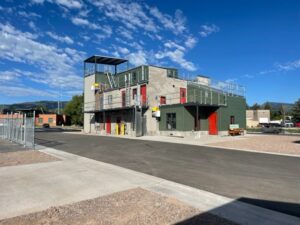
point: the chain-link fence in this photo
(18, 128)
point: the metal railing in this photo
(18, 128)
(200, 96)
(226, 87)
(109, 102)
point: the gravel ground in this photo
(24, 157)
(265, 143)
(132, 207)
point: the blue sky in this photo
(252, 43)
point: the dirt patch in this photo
(135, 206)
(24, 157)
(265, 143)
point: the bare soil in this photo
(24, 157)
(265, 143)
(132, 207)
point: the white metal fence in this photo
(18, 128)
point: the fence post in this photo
(25, 125)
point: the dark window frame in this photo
(171, 121)
(232, 119)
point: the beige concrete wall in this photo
(161, 85)
(89, 98)
(257, 114)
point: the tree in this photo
(255, 106)
(296, 112)
(73, 109)
(267, 106)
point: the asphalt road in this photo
(266, 180)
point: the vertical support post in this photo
(33, 131)
(95, 65)
(84, 69)
(197, 117)
(25, 128)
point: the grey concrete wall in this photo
(161, 85)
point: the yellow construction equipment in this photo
(123, 129)
(117, 129)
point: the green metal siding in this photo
(101, 78)
(184, 119)
(140, 77)
(236, 106)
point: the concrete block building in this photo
(255, 117)
(152, 100)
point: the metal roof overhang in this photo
(105, 60)
(192, 104)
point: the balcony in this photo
(108, 103)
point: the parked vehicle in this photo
(272, 128)
(46, 125)
(288, 123)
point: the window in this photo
(171, 121)
(40, 120)
(50, 120)
(162, 100)
(134, 93)
(231, 119)
(134, 77)
(109, 99)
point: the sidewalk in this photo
(36, 187)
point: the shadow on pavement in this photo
(47, 143)
(241, 215)
(54, 129)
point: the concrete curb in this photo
(239, 212)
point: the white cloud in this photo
(131, 14)
(6, 76)
(71, 4)
(32, 25)
(289, 65)
(80, 21)
(64, 39)
(176, 24)
(123, 50)
(29, 15)
(55, 65)
(190, 42)
(17, 91)
(177, 56)
(171, 44)
(208, 29)
(137, 58)
(106, 30)
(125, 33)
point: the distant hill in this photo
(50, 106)
(275, 106)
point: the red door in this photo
(212, 124)
(143, 94)
(182, 95)
(108, 125)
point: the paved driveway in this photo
(266, 180)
